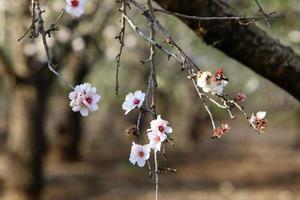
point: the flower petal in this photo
(84, 111)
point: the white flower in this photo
(202, 81)
(139, 154)
(133, 100)
(260, 115)
(217, 88)
(259, 121)
(84, 99)
(156, 138)
(75, 7)
(161, 126)
(209, 83)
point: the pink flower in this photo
(220, 131)
(161, 126)
(259, 120)
(133, 100)
(240, 97)
(84, 98)
(219, 73)
(156, 138)
(139, 154)
(75, 7)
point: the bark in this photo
(249, 45)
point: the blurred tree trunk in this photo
(297, 137)
(247, 44)
(27, 80)
(26, 144)
(67, 136)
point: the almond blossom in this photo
(240, 97)
(75, 7)
(84, 98)
(213, 83)
(220, 131)
(139, 154)
(259, 120)
(156, 138)
(133, 100)
(159, 125)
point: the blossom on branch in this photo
(161, 126)
(139, 154)
(133, 100)
(213, 83)
(156, 138)
(240, 97)
(158, 132)
(84, 98)
(75, 7)
(220, 131)
(259, 120)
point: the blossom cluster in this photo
(157, 133)
(213, 83)
(84, 99)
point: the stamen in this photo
(89, 100)
(141, 154)
(161, 128)
(74, 3)
(136, 101)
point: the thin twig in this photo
(27, 31)
(138, 124)
(34, 32)
(265, 15)
(160, 47)
(156, 176)
(235, 104)
(225, 18)
(60, 16)
(121, 37)
(149, 169)
(46, 47)
(153, 85)
(204, 104)
(169, 38)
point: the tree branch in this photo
(249, 45)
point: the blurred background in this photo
(48, 151)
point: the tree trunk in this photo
(67, 135)
(249, 45)
(25, 145)
(68, 128)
